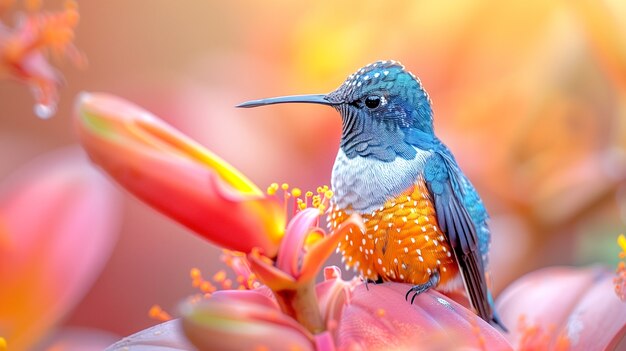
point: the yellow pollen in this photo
(316, 200)
(285, 186)
(296, 192)
(156, 312)
(271, 190)
(308, 194)
(329, 194)
(301, 204)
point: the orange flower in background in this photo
(25, 49)
(58, 225)
(177, 176)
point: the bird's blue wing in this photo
(443, 179)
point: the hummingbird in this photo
(425, 223)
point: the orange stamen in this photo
(219, 277)
(195, 274)
(534, 337)
(206, 287)
(477, 331)
(197, 281)
(156, 312)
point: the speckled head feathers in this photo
(381, 76)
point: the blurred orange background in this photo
(530, 96)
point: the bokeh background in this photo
(530, 96)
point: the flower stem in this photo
(301, 304)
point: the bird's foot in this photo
(420, 288)
(378, 280)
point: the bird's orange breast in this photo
(402, 242)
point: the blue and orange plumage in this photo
(402, 241)
(425, 223)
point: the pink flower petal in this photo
(235, 324)
(319, 252)
(333, 295)
(324, 342)
(269, 274)
(291, 246)
(177, 176)
(60, 221)
(564, 306)
(381, 319)
(261, 297)
(166, 336)
(599, 318)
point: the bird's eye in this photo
(372, 101)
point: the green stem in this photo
(301, 304)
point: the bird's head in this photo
(383, 108)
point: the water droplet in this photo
(44, 111)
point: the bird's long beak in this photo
(311, 99)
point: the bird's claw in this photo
(378, 280)
(432, 282)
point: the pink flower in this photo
(563, 308)
(58, 224)
(177, 176)
(357, 319)
(280, 307)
